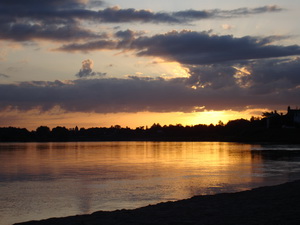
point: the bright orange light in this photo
(213, 117)
(33, 119)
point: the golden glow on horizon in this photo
(34, 118)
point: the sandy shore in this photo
(276, 205)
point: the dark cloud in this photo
(189, 47)
(101, 95)
(197, 48)
(123, 40)
(249, 11)
(190, 15)
(87, 70)
(35, 11)
(65, 20)
(56, 20)
(212, 76)
(27, 31)
(270, 76)
(126, 38)
(19, 4)
(127, 35)
(215, 87)
(50, 19)
(270, 82)
(118, 15)
(90, 46)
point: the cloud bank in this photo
(191, 47)
(226, 72)
(216, 87)
(65, 20)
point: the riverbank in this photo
(266, 205)
(234, 131)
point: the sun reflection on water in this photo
(41, 180)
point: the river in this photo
(42, 180)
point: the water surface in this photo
(42, 180)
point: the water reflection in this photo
(278, 160)
(41, 180)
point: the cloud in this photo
(191, 15)
(216, 87)
(95, 3)
(90, 46)
(36, 4)
(190, 47)
(118, 15)
(50, 20)
(65, 20)
(212, 76)
(270, 76)
(250, 11)
(3, 75)
(226, 72)
(123, 41)
(87, 70)
(270, 82)
(54, 32)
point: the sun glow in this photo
(171, 69)
(33, 119)
(213, 117)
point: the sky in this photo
(91, 63)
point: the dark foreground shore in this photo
(276, 205)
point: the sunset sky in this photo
(134, 63)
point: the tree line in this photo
(255, 129)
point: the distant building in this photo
(290, 120)
(293, 117)
(273, 119)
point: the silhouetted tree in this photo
(238, 123)
(254, 129)
(155, 126)
(43, 133)
(76, 129)
(220, 123)
(14, 134)
(60, 133)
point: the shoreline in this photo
(235, 131)
(279, 204)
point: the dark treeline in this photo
(271, 127)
